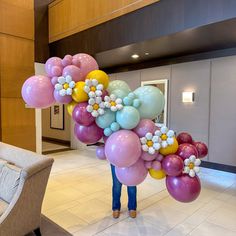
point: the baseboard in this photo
(217, 166)
(56, 141)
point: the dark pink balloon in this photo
(148, 157)
(54, 80)
(185, 150)
(183, 188)
(201, 149)
(74, 72)
(123, 148)
(184, 138)
(156, 165)
(62, 99)
(104, 93)
(144, 126)
(37, 91)
(53, 66)
(148, 164)
(132, 175)
(105, 138)
(67, 60)
(173, 165)
(88, 134)
(100, 153)
(81, 116)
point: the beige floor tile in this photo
(181, 229)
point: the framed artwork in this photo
(163, 86)
(57, 116)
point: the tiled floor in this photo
(78, 198)
(48, 146)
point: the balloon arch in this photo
(134, 144)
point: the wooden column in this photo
(16, 65)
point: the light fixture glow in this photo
(135, 56)
(187, 97)
(146, 53)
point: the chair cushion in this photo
(3, 206)
(9, 181)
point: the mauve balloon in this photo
(53, 66)
(184, 138)
(100, 153)
(148, 164)
(88, 134)
(74, 72)
(144, 126)
(123, 148)
(173, 165)
(132, 175)
(62, 99)
(185, 150)
(201, 149)
(67, 60)
(148, 157)
(156, 165)
(183, 188)
(81, 116)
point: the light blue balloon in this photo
(132, 96)
(107, 132)
(136, 103)
(118, 84)
(106, 120)
(120, 93)
(128, 117)
(115, 126)
(127, 101)
(152, 101)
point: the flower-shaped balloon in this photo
(65, 85)
(150, 143)
(166, 136)
(113, 103)
(96, 106)
(192, 166)
(93, 88)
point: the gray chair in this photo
(21, 212)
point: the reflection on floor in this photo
(51, 147)
(78, 198)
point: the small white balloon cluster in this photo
(95, 106)
(93, 88)
(166, 136)
(113, 103)
(192, 166)
(65, 85)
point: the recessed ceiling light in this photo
(146, 53)
(135, 56)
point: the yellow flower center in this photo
(163, 136)
(93, 89)
(95, 106)
(150, 143)
(113, 104)
(191, 165)
(66, 86)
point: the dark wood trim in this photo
(56, 141)
(56, 151)
(217, 166)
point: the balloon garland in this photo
(134, 144)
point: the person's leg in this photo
(132, 198)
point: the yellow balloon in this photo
(171, 149)
(100, 76)
(70, 107)
(79, 95)
(157, 174)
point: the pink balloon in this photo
(86, 63)
(62, 99)
(144, 126)
(159, 157)
(185, 150)
(100, 153)
(183, 188)
(156, 165)
(67, 60)
(184, 138)
(54, 80)
(148, 157)
(123, 148)
(53, 66)
(88, 134)
(37, 91)
(81, 116)
(74, 72)
(201, 149)
(132, 175)
(173, 165)
(148, 164)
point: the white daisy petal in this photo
(158, 133)
(98, 93)
(99, 87)
(91, 101)
(58, 87)
(92, 94)
(197, 162)
(107, 99)
(114, 109)
(143, 140)
(164, 144)
(170, 133)
(192, 173)
(101, 111)
(155, 139)
(89, 108)
(69, 91)
(186, 169)
(61, 80)
(196, 169)
(192, 158)
(118, 101)
(72, 84)
(149, 136)
(164, 129)
(170, 141)
(151, 150)
(145, 148)
(101, 105)
(62, 92)
(95, 113)
(119, 106)
(187, 162)
(68, 79)
(157, 146)
(113, 97)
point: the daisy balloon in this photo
(95, 106)
(65, 85)
(150, 143)
(93, 88)
(192, 166)
(166, 136)
(113, 103)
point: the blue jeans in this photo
(116, 193)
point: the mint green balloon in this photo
(106, 120)
(152, 101)
(128, 117)
(120, 93)
(118, 84)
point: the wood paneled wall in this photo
(16, 65)
(67, 17)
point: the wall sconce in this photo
(187, 97)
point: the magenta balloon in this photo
(53, 62)
(67, 60)
(54, 80)
(132, 175)
(105, 138)
(183, 188)
(159, 157)
(74, 72)
(148, 164)
(148, 157)
(173, 165)
(201, 149)
(185, 150)
(123, 148)
(62, 99)
(156, 165)
(104, 93)
(86, 63)
(81, 116)
(184, 138)
(88, 134)
(37, 91)
(144, 126)
(100, 153)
